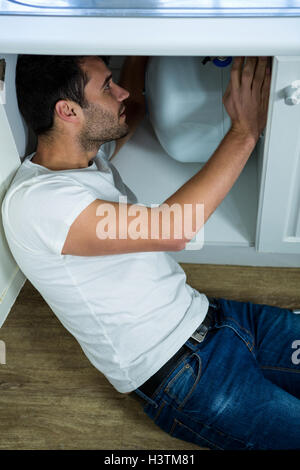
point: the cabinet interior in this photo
(154, 176)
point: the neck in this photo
(63, 156)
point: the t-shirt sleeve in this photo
(44, 212)
(108, 149)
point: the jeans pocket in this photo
(184, 381)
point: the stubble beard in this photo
(101, 126)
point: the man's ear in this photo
(67, 111)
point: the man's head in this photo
(71, 96)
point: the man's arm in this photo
(209, 186)
(246, 101)
(133, 80)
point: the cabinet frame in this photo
(278, 217)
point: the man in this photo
(211, 371)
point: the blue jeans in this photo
(240, 387)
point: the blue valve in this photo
(222, 62)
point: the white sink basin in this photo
(184, 99)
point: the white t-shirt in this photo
(130, 313)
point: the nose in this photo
(120, 93)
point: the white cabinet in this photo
(262, 210)
(278, 220)
(258, 223)
(11, 278)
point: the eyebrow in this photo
(106, 80)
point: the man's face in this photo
(103, 119)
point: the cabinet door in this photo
(11, 277)
(278, 221)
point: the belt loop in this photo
(145, 397)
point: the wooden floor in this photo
(51, 397)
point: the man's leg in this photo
(219, 396)
(276, 340)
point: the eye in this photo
(107, 86)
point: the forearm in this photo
(213, 182)
(132, 78)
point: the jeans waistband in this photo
(150, 386)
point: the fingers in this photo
(235, 76)
(236, 72)
(265, 90)
(251, 77)
(248, 72)
(259, 74)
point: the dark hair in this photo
(42, 80)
